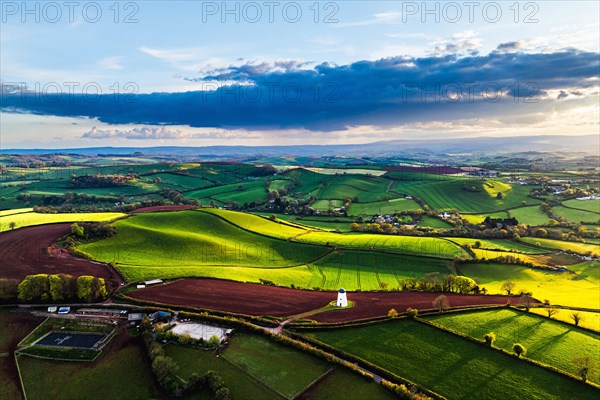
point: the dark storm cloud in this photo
(385, 92)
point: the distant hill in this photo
(500, 145)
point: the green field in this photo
(530, 215)
(576, 215)
(283, 369)
(342, 384)
(245, 192)
(32, 218)
(14, 326)
(413, 245)
(197, 361)
(448, 194)
(186, 242)
(392, 243)
(546, 341)
(383, 207)
(363, 270)
(327, 205)
(359, 188)
(432, 222)
(587, 205)
(119, 374)
(450, 365)
(500, 244)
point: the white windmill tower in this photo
(342, 300)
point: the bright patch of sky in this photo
(137, 47)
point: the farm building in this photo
(342, 300)
(103, 312)
(152, 282)
(133, 317)
(160, 315)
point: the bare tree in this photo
(441, 303)
(508, 287)
(527, 301)
(584, 366)
(551, 311)
(577, 318)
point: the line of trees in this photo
(100, 181)
(61, 287)
(449, 283)
(165, 370)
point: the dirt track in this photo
(254, 299)
(23, 252)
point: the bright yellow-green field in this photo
(5, 213)
(580, 288)
(591, 320)
(24, 219)
(491, 254)
(428, 246)
(279, 230)
(493, 187)
(580, 248)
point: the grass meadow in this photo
(450, 365)
(546, 341)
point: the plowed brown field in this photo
(255, 299)
(24, 252)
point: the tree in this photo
(392, 313)
(77, 230)
(12, 225)
(185, 338)
(155, 350)
(90, 288)
(577, 318)
(223, 394)
(163, 368)
(499, 196)
(519, 349)
(441, 303)
(214, 341)
(57, 288)
(213, 381)
(464, 284)
(526, 300)
(34, 287)
(551, 311)
(541, 232)
(584, 366)
(412, 312)
(508, 287)
(489, 338)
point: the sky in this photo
(154, 73)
